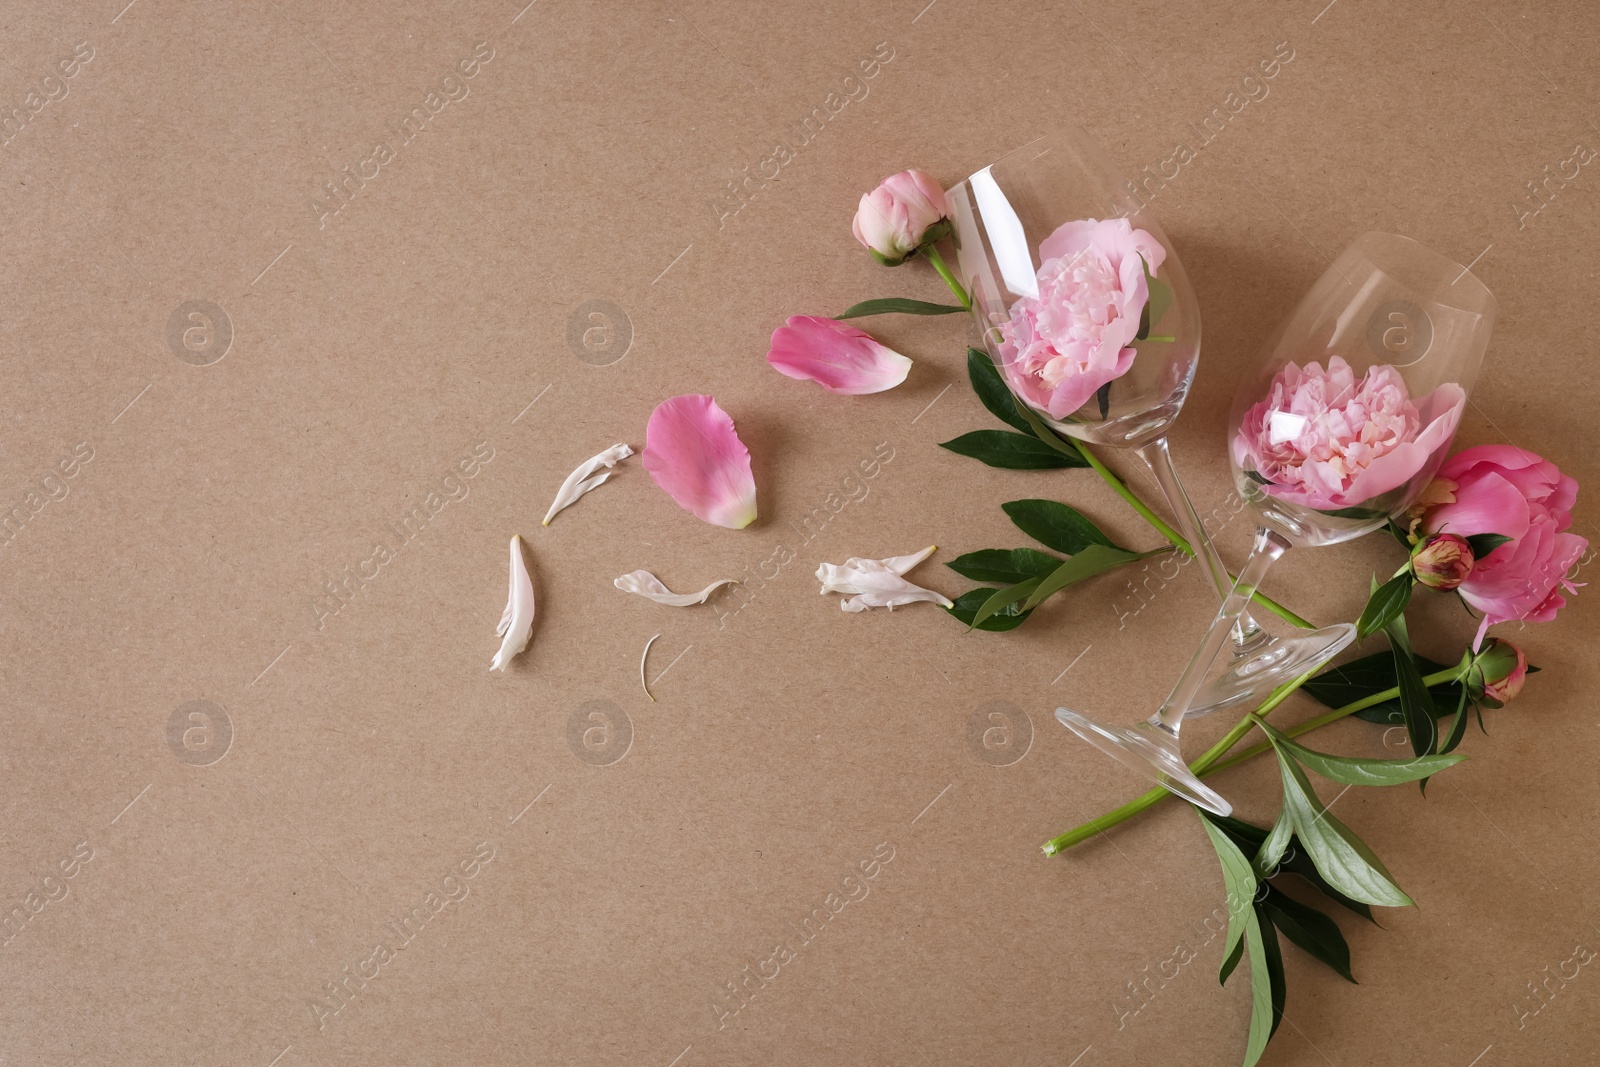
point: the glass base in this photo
(1151, 750)
(1250, 678)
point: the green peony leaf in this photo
(1272, 957)
(1314, 932)
(898, 305)
(1055, 525)
(1340, 856)
(1385, 605)
(1361, 678)
(1458, 728)
(1011, 451)
(965, 609)
(992, 391)
(1008, 597)
(1156, 305)
(1485, 543)
(1271, 850)
(1250, 839)
(1416, 704)
(1007, 565)
(1093, 560)
(1352, 770)
(1230, 961)
(1244, 923)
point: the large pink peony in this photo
(1501, 489)
(1060, 347)
(1324, 440)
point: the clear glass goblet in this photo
(1348, 416)
(1089, 317)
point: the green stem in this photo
(1208, 763)
(932, 255)
(1074, 448)
(1450, 674)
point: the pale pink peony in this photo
(1326, 441)
(1505, 490)
(896, 218)
(1060, 347)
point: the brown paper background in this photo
(366, 758)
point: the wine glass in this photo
(1090, 319)
(1347, 418)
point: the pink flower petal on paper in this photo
(835, 355)
(693, 452)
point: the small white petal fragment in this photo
(516, 625)
(642, 657)
(878, 583)
(579, 482)
(648, 585)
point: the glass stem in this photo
(1247, 636)
(1268, 547)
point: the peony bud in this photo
(1498, 672)
(1442, 562)
(905, 212)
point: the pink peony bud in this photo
(1442, 562)
(1499, 671)
(905, 212)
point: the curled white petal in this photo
(516, 624)
(579, 482)
(648, 585)
(878, 583)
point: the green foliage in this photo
(965, 609)
(1011, 451)
(1387, 603)
(898, 305)
(1244, 925)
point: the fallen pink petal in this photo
(694, 454)
(835, 355)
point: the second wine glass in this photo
(1347, 418)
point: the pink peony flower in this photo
(1060, 347)
(1442, 562)
(896, 218)
(1326, 441)
(835, 355)
(1501, 489)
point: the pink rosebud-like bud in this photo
(1442, 562)
(905, 212)
(1498, 671)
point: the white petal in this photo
(877, 583)
(575, 485)
(648, 585)
(902, 564)
(891, 600)
(517, 622)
